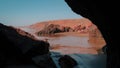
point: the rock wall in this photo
(15, 47)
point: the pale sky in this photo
(27, 12)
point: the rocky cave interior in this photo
(97, 11)
(100, 13)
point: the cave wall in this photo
(104, 15)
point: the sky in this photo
(27, 12)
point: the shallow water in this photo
(70, 44)
(68, 41)
(83, 60)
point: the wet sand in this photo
(73, 49)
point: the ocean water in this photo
(83, 60)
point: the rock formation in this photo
(24, 33)
(104, 15)
(53, 28)
(67, 62)
(49, 29)
(65, 23)
(95, 35)
(17, 48)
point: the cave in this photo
(103, 15)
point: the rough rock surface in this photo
(16, 48)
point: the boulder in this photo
(67, 62)
(18, 48)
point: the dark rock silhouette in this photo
(16, 48)
(103, 15)
(67, 62)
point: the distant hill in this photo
(66, 22)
